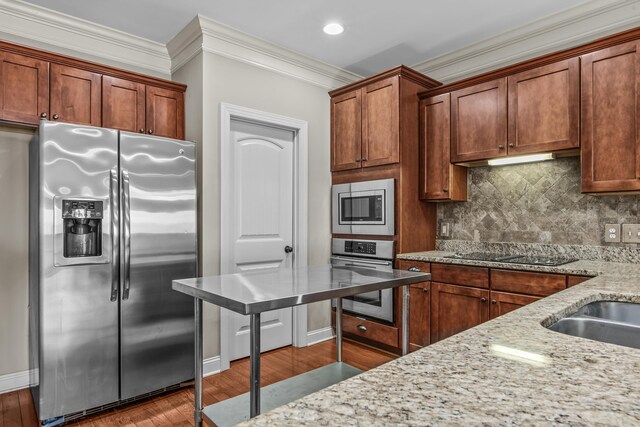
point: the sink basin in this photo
(605, 321)
(624, 312)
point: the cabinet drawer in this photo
(525, 282)
(374, 331)
(460, 275)
(575, 280)
(403, 264)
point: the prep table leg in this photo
(339, 328)
(405, 320)
(197, 392)
(254, 357)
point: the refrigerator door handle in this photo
(115, 233)
(126, 223)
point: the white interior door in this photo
(261, 158)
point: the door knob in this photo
(56, 117)
(43, 115)
(288, 249)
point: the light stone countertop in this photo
(508, 371)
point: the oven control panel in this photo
(358, 247)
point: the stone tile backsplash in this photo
(535, 203)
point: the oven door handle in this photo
(361, 263)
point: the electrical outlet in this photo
(630, 233)
(612, 233)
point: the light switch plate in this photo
(444, 229)
(630, 233)
(612, 233)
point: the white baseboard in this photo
(15, 381)
(211, 366)
(319, 335)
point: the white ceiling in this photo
(379, 34)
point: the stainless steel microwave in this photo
(365, 207)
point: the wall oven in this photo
(371, 254)
(364, 207)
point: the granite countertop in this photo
(508, 371)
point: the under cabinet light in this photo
(521, 159)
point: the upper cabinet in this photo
(24, 88)
(365, 127)
(123, 104)
(75, 95)
(36, 85)
(439, 179)
(479, 122)
(544, 108)
(165, 112)
(610, 132)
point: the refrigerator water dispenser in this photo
(82, 228)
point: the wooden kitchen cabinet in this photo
(365, 127)
(527, 282)
(123, 104)
(439, 179)
(544, 108)
(419, 306)
(464, 275)
(576, 280)
(456, 308)
(504, 302)
(24, 88)
(610, 111)
(76, 95)
(479, 122)
(165, 112)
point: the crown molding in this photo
(205, 35)
(36, 26)
(566, 29)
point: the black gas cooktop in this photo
(513, 259)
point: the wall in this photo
(535, 203)
(14, 241)
(234, 82)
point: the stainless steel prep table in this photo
(251, 293)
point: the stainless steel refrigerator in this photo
(112, 223)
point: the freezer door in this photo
(158, 207)
(73, 302)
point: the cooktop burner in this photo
(513, 259)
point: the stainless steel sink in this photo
(605, 321)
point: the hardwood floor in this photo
(176, 408)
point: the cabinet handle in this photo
(425, 290)
(43, 115)
(141, 130)
(511, 145)
(56, 117)
(483, 300)
(362, 328)
(494, 301)
(414, 269)
(358, 160)
(364, 159)
(446, 190)
(501, 147)
(150, 131)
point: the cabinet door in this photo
(503, 302)
(165, 113)
(456, 308)
(75, 95)
(24, 88)
(346, 131)
(610, 99)
(439, 179)
(380, 126)
(419, 315)
(479, 121)
(123, 104)
(544, 108)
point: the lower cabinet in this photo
(504, 302)
(456, 308)
(420, 316)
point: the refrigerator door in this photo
(158, 208)
(77, 309)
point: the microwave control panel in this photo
(356, 247)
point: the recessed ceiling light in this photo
(333, 29)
